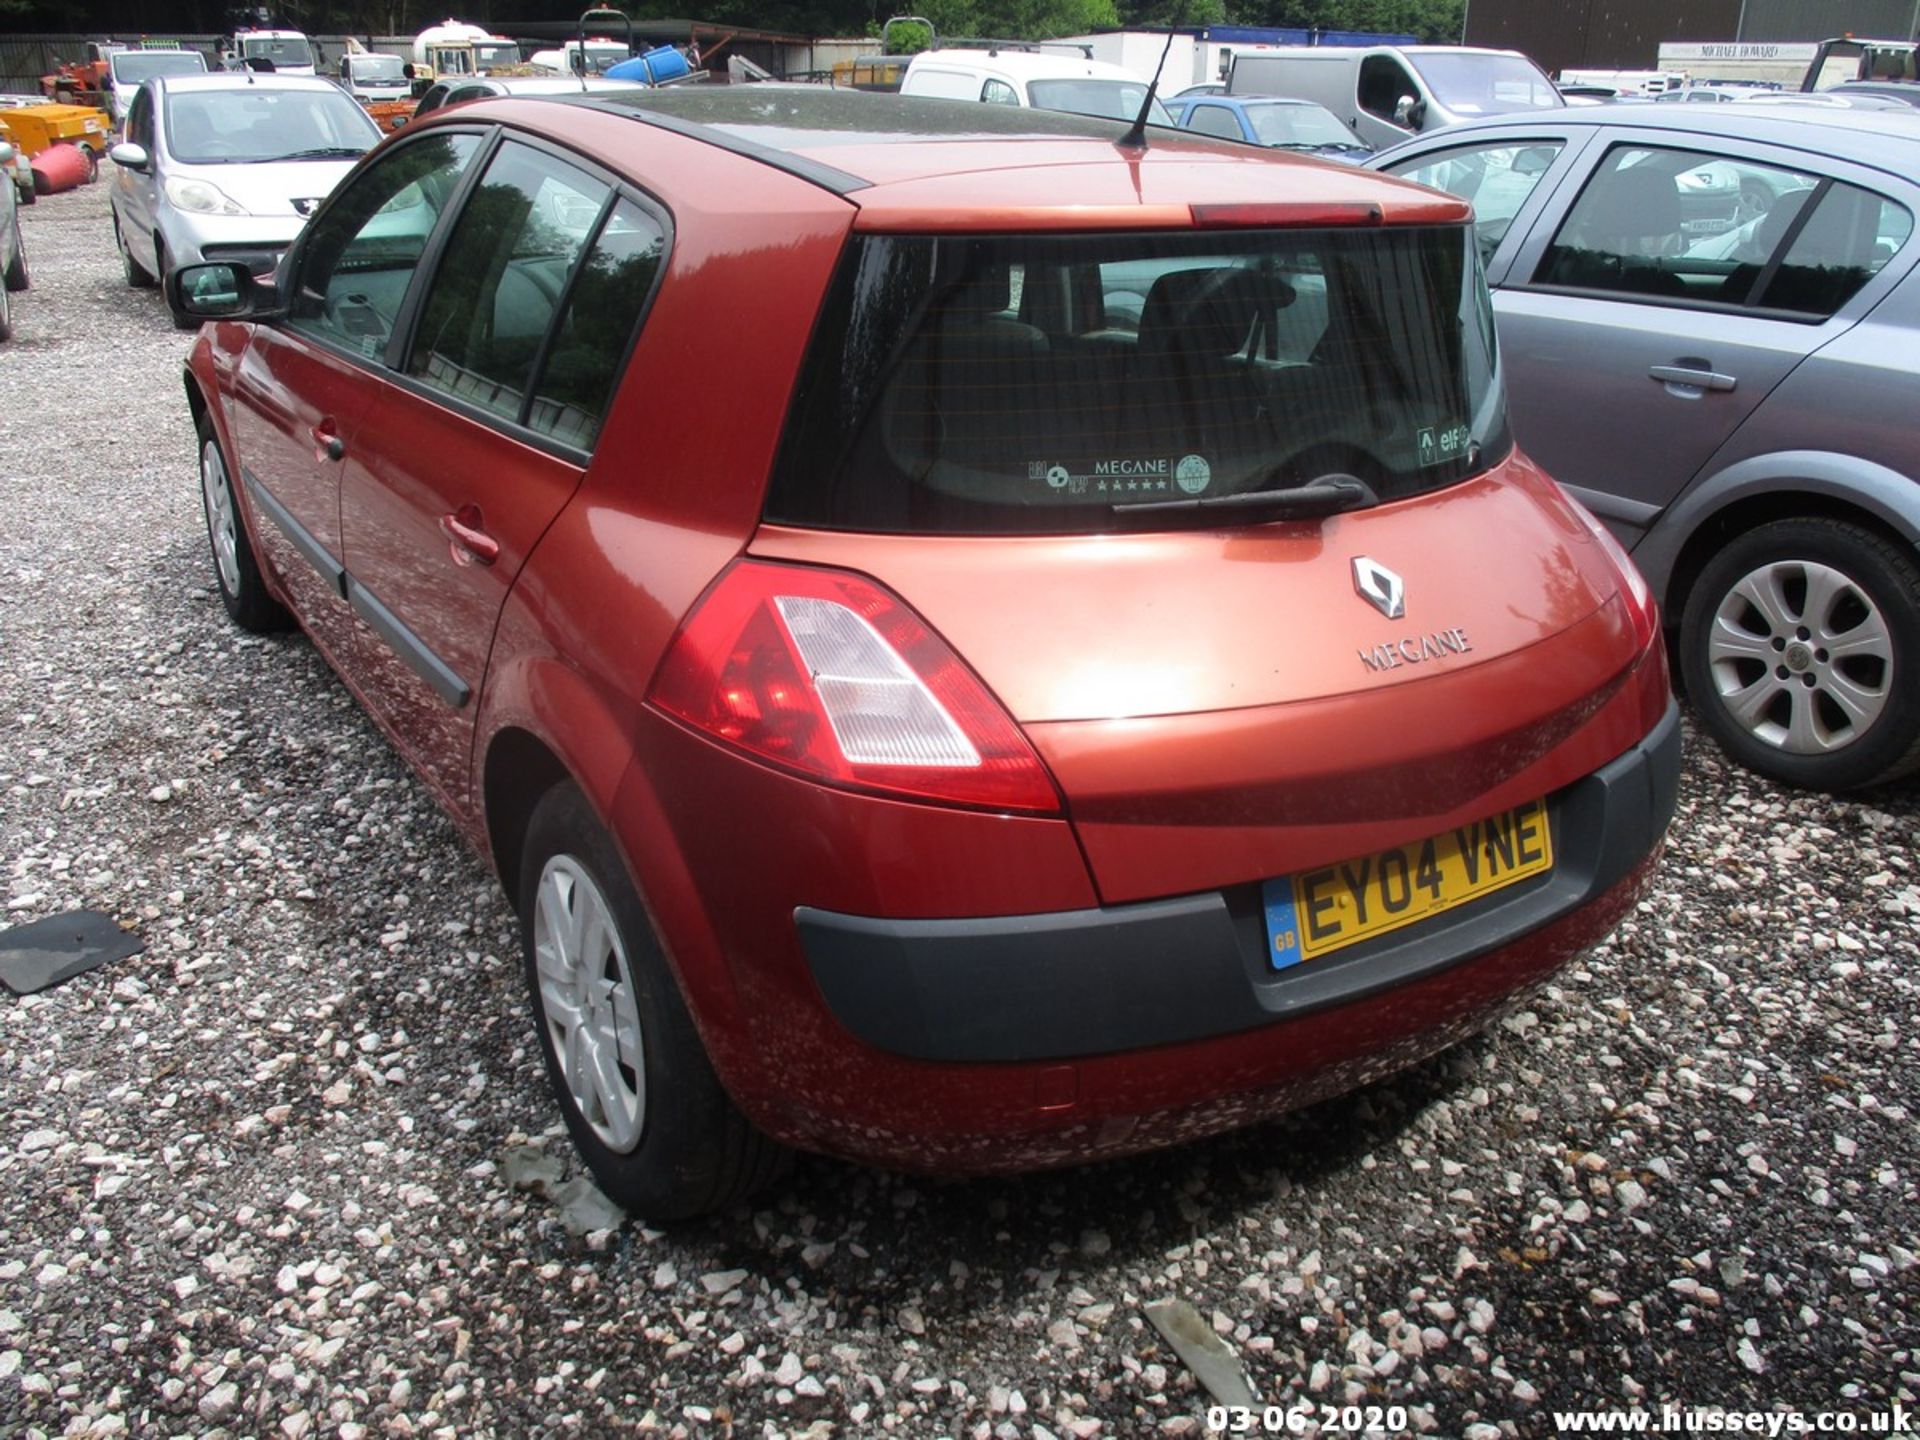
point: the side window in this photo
(602, 311)
(1674, 225)
(1496, 178)
(998, 92)
(1848, 237)
(1215, 120)
(1383, 80)
(359, 257)
(493, 298)
(140, 119)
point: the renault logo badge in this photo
(1385, 590)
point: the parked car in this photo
(1268, 120)
(13, 250)
(1715, 93)
(1907, 92)
(1733, 404)
(1044, 79)
(1006, 740)
(1387, 92)
(128, 70)
(228, 166)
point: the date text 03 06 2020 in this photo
(1296, 1419)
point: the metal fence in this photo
(25, 58)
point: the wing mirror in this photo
(221, 290)
(129, 156)
(1408, 112)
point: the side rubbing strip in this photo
(298, 536)
(408, 646)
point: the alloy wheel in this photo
(216, 493)
(587, 998)
(1801, 657)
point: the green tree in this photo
(1437, 21)
(1019, 19)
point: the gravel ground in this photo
(259, 1180)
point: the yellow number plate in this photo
(1317, 911)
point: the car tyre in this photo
(160, 260)
(6, 314)
(633, 1080)
(16, 277)
(137, 276)
(1800, 648)
(235, 571)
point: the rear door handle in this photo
(467, 542)
(1699, 379)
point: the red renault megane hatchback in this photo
(972, 643)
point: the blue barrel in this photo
(656, 67)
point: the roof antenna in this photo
(1136, 136)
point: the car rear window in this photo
(1032, 384)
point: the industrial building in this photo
(1627, 34)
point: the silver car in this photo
(1736, 402)
(228, 167)
(13, 252)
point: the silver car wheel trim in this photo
(217, 495)
(587, 994)
(1801, 657)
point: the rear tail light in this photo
(827, 674)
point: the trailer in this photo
(1738, 63)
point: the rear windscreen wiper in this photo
(1329, 495)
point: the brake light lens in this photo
(830, 675)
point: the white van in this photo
(1388, 92)
(1045, 81)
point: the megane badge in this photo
(1376, 583)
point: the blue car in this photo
(1270, 121)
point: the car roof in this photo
(1037, 64)
(1244, 100)
(551, 84)
(1335, 52)
(956, 165)
(243, 80)
(1884, 139)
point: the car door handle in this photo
(326, 444)
(468, 543)
(1700, 379)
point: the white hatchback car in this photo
(228, 167)
(1046, 80)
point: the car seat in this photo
(1628, 219)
